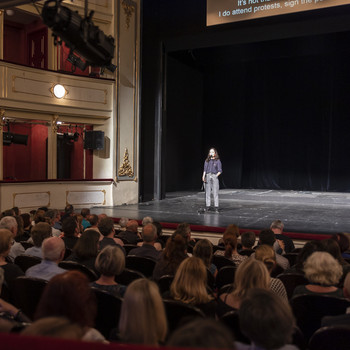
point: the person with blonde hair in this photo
(267, 255)
(250, 274)
(190, 286)
(143, 319)
(109, 263)
(229, 239)
(323, 272)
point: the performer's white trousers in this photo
(212, 185)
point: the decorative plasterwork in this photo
(129, 10)
(2, 121)
(125, 169)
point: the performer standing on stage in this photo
(212, 170)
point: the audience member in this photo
(160, 243)
(248, 239)
(277, 227)
(267, 255)
(147, 220)
(85, 213)
(55, 327)
(109, 263)
(68, 212)
(173, 254)
(204, 250)
(20, 228)
(10, 223)
(40, 231)
(323, 273)
(7, 212)
(70, 232)
(27, 227)
(147, 250)
(268, 237)
(52, 216)
(230, 242)
(305, 252)
(16, 211)
(106, 228)
(53, 252)
(202, 333)
(131, 233)
(69, 295)
(184, 229)
(344, 243)
(250, 274)
(86, 249)
(267, 321)
(93, 220)
(190, 286)
(11, 271)
(149, 327)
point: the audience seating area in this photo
(25, 293)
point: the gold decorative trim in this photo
(54, 123)
(2, 116)
(129, 10)
(125, 169)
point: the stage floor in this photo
(311, 212)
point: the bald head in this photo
(132, 226)
(149, 233)
(53, 249)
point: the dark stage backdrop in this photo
(271, 94)
(278, 122)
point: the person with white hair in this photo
(277, 227)
(147, 220)
(10, 223)
(53, 249)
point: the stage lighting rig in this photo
(80, 35)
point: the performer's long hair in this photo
(216, 154)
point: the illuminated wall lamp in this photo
(59, 91)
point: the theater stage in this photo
(301, 211)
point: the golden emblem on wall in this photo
(128, 10)
(125, 169)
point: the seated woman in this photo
(39, 232)
(143, 319)
(190, 286)
(230, 242)
(267, 255)
(11, 271)
(109, 263)
(69, 295)
(267, 321)
(173, 254)
(204, 250)
(250, 274)
(86, 249)
(344, 244)
(323, 273)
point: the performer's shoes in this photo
(216, 210)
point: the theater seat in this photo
(309, 310)
(334, 338)
(127, 276)
(26, 261)
(231, 320)
(179, 313)
(291, 280)
(108, 311)
(220, 261)
(164, 283)
(141, 264)
(26, 293)
(72, 265)
(226, 275)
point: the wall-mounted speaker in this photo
(94, 139)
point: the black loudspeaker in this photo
(94, 140)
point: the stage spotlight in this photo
(9, 138)
(80, 35)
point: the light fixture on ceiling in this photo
(59, 91)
